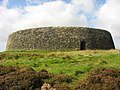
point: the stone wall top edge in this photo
(62, 28)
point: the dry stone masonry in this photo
(60, 38)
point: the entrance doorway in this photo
(82, 45)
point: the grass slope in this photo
(67, 62)
(76, 64)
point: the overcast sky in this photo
(21, 14)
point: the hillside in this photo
(62, 69)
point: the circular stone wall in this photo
(60, 38)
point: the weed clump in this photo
(20, 80)
(61, 78)
(101, 79)
(67, 57)
(62, 87)
(16, 78)
(6, 69)
(45, 75)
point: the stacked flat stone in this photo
(60, 38)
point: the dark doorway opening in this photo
(82, 45)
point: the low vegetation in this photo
(101, 79)
(63, 70)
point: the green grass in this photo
(73, 63)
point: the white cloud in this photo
(2, 45)
(9, 18)
(4, 2)
(85, 5)
(32, 2)
(54, 13)
(108, 18)
(58, 13)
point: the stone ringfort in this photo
(60, 38)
